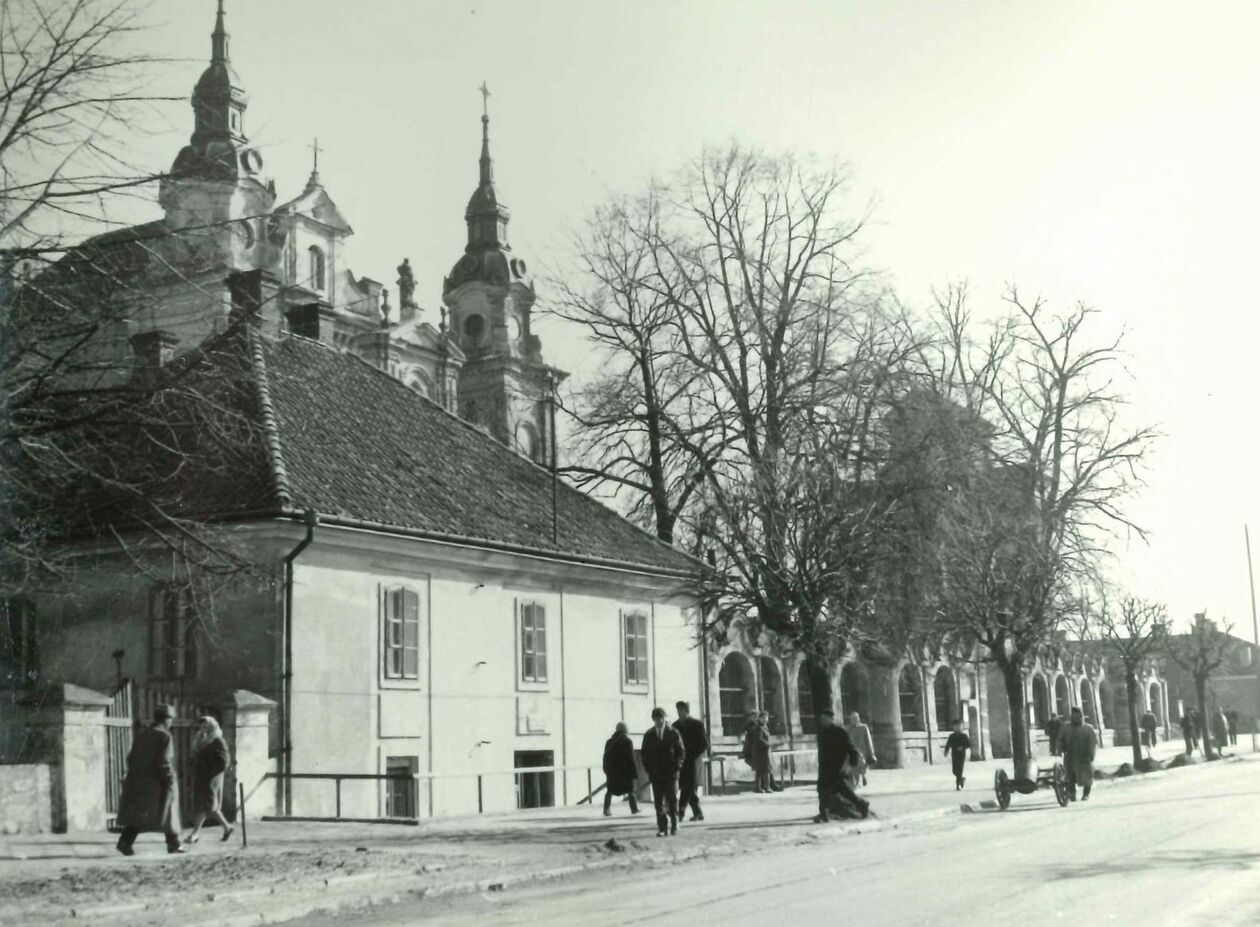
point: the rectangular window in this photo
(172, 634)
(400, 630)
(400, 794)
(19, 664)
(533, 642)
(634, 631)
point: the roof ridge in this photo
(271, 429)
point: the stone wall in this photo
(26, 799)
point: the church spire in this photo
(487, 166)
(487, 218)
(219, 39)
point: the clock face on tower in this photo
(514, 328)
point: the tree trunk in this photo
(820, 685)
(1131, 689)
(1200, 694)
(1013, 678)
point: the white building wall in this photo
(469, 713)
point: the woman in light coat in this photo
(860, 734)
(210, 761)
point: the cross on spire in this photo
(315, 149)
(485, 100)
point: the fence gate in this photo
(118, 731)
(183, 731)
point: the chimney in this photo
(153, 349)
(255, 296)
(312, 320)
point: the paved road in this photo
(1168, 851)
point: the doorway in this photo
(534, 789)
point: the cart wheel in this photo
(1059, 784)
(1002, 788)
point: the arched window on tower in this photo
(318, 268)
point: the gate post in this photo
(247, 728)
(65, 728)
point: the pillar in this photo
(247, 728)
(885, 718)
(65, 728)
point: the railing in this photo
(786, 760)
(521, 775)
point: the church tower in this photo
(504, 384)
(215, 196)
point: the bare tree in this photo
(640, 432)
(1135, 633)
(1201, 653)
(98, 448)
(1029, 530)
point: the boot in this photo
(673, 825)
(661, 826)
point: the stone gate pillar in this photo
(65, 728)
(247, 728)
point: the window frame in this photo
(393, 625)
(318, 267)
(170, 616)
(643, 683)
(528, 676)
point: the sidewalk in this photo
(292, 868)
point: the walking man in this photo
(1231, 716)
(695, 744)
(150, 799)
(763, 722)
(860, 737)
(662, 754)
(1149, 726)
(1187, 730)
(1052, 727)
(1220, 730)
(1077, 743)
(957, 747)
(834, 750)
(620, 774)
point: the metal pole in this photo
(244, 830)
(338, 781)
(480, 807)
(1255, 627)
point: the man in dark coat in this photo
(834, 750)
(1052, 727)
(695, 744)
(957, 746)
(1077, 743)
(620, 774)
(1231, 716)
(663, 754)
(150, 799)
(1149, 726)
(1187, 730)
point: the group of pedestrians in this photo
(150, 792)
(671, 756)
(1223, 723)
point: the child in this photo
(957, 747)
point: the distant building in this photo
(1235, 686)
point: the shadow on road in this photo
(1144, 862)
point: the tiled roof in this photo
(354, 443)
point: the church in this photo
(443, 607)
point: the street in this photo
(1168, 851)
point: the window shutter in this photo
(411, 633)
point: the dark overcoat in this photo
(662, 754)
(757, 748)
(210, 762)
(619, 768)
(694, 737)
(1077, 743)
(149, 800)
(834, 750)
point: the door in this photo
(534, 790)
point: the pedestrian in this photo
(1187, 730)
(1077, 743)
(1220, 730)
(150, 799)
(210, 761)
(957, 746)
(1200, 732)
(620, 774)
(695, 745)
(764, 721)
(834, 750)
(1148, 724)
(1231, 717)
(662, 754)
(1052, 727)
(757, 752)
(860, 735)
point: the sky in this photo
(1096, 152)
